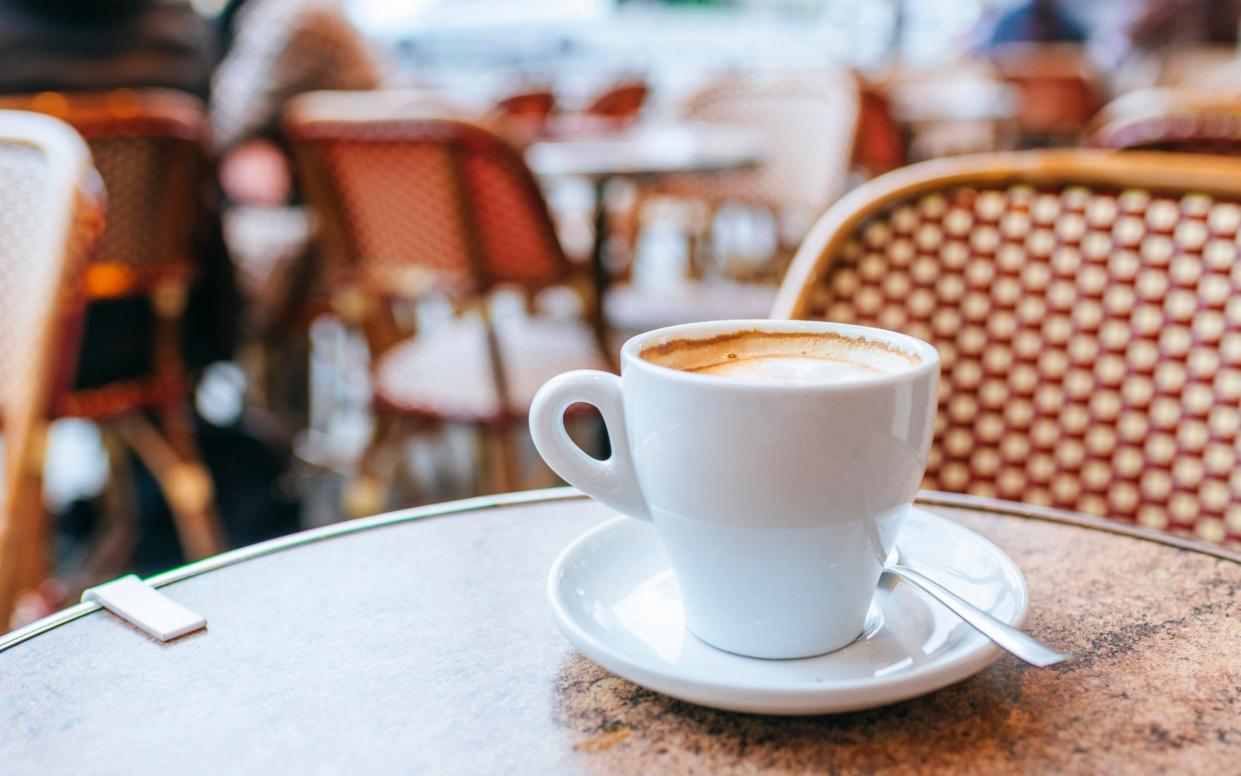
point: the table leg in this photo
(599, 265)
(602, 278)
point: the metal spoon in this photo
(1006, 636)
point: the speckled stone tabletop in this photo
(426, 646)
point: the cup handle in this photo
(612, 482)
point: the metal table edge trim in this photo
(241, 554)
(1080, 520)
(300, 539)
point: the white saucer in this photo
(614, 596)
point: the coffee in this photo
(799, 357)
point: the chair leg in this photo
(701, 229)
(507, 455)
(112, 546)
(182, 478)
(603, 337)
(368, 492)
(23, 545)
(499, 460)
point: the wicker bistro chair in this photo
(1163, 119)
(620, 102)
(148, 147)
(535, 105)
(50, 214)
(523, 115)
(807, 123)
(422, 207)
(1087, 307)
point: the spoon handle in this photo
(1023, 646)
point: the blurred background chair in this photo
(276, 50)
(1086, 309)
(620, 102)
(1163, 119)
(51, 212)
(807, 124)
(133, 379)
(523, 115)
(416, 209)
(533, 105)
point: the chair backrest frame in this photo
(155, 213)
(71, 206)
(835, 244)
(316, 121)
(1164, 119)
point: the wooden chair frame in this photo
(1169, 119)
(75, 204)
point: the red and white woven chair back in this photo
(427, 203)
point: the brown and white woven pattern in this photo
(1091, 343)
(24, 278)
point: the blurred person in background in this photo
(103, 44)
(99, 45)
(1036, 21)
(1159, 23)
(276, 50)
(90, 45)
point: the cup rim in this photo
(630, 358)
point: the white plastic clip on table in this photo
(144, 606)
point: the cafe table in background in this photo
(601, 153)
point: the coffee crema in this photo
(801, 357)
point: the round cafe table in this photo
(640, 151)
(421, 642)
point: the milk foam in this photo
(801, 357)
(792, 368)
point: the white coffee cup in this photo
(777, 500)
